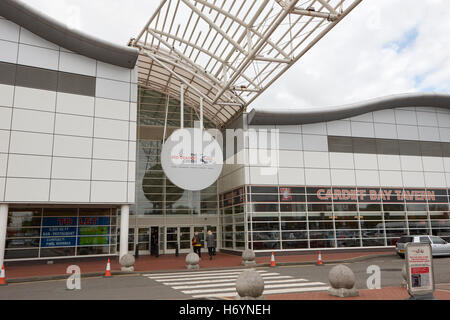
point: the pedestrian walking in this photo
(196, 244)
(211, 244)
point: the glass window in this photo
(438, 206)
(320, 225)
(268, 245)
(295, 244)
(264, 189)
(23, 232)
(314, 243)
(264, 198)
(394, 216)
(265, 207)
(294, 216)
(373, 242)
(348, 243)
(369, 207)
(293, 225)
(437, 240)
(416, 207)
(266, 226)
(320, 216)
(92, 250)
(315, 207)
(373, 233)
(344, 207)
(418, 216)
(295, 235)
(391, 233)
(24, 217)
(424, 240)
(346, 234)
(439, 215)
(371, 224)
(292, 207)
(21, 253)
(346, 224)
(393, 207)
(266, 236)
(57, 252)
(324, 234)
(22, 243)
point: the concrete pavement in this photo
(40, 270)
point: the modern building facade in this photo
(82, 124)
(67, 137)
(334, 181)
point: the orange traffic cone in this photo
(319, 259)
(272, 260)
(108, 270)
(3, 277)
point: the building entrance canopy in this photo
(228, 52)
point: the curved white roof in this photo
(59, 34)
(303, 116)
(227, 51)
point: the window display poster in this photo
(419, 266)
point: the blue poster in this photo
(59, 222)
(59, 231)
(58, 242)
(62, 231)
(94, 221)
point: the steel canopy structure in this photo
(227, 52)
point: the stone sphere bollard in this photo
(342, 281)
(250, 286)
(127, 262)
(248, 257)
(192, 260)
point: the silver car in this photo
(439, 246)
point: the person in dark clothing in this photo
(196, 244)
(211, 244)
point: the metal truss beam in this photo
(228, 52)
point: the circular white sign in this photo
(192, 159)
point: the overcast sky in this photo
(382, 47)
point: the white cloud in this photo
(359, 59)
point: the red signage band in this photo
(420, 270)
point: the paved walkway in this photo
(33, 269)
(389, 293)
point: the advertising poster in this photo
(419, 266)
(71, 231)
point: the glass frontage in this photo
(157, 198)
(298, 217)
(155, 194)
(59, 232)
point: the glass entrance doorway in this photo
(181, 236)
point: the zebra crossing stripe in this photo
(264, 275)
(227, 283)
(197, 274)
(288, 278)
(273, 286)
(233, 285)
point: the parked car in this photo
(439, 246)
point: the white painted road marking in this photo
(222, 283)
